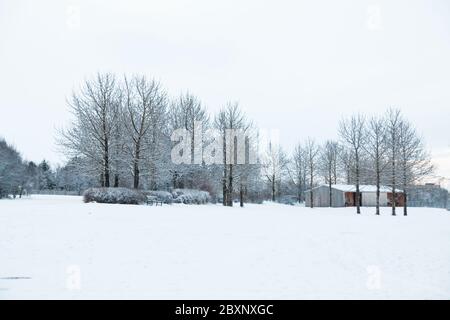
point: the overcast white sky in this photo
(296, 66)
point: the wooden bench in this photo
(152, 200)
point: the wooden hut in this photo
(345, 196)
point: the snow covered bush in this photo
(163, 196)
(288, 200)
(114, 195)
(191, 196)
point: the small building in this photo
(343, 195)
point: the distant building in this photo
(345, 196)
(428, 195)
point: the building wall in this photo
(400, 199)
(369, 199)
(321, 197)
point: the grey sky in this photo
(296, 66)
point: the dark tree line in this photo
(18, 176)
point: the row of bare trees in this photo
(381, 150)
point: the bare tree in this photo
(144, 100)
(245, 170)
(352, 133)
(413, 160)
(220, 122)
(298, 171)
(187, 112)
(375, 148)
(393, 121)
(312, 152)
(328, 163)
(274, 166)
(227, 121)
(96, 108)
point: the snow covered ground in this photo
(59, 247)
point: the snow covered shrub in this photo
(183, 198)
(288, 199)
(163, 196)
(114, 195)
(191, 196)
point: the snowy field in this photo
(59, 247)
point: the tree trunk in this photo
(393, 182)
(273, 188)
(358, 200)
(224, 192)
(358, 195)
(230, 187)
(330, 183)
(331, 195)
(405, 206)
(175, 180)
(377, 210)
(136, 171)
(241, 195)
(106, 164)
(135, 175)
(225, 171)
(394, 197)
(116, 180)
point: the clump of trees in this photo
(122, 133)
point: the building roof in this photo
(362, 188)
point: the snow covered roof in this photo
(362, 188)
